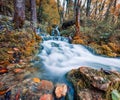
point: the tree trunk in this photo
(115, 3)
(33, 12)
(63, 10)
(19, 14)
(60, 12)
(101, 10)
(108, 11)
(40, 11)
(88, 8)
(77, 19)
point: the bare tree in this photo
(19, 13)
(40, 11)
(108, 10)
(77, 17)
(33, 12)
(59, 11)
(88, 8)
(115, 3)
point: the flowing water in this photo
(57, 57)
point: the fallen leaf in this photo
(10, 52)
(18, 70)
(2, 92)
(3, 70)
(36, 80)
(15, 49)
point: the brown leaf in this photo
(3, 70)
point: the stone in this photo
(45, 86)
(61, 90)
(46, 97)
(88, 94)
(98, 83)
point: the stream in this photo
(58, 56)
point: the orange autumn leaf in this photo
(3, 92)
(36, 80)
(3, 70)
(18, 70)
(10, 52)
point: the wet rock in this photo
(87, 94)
(97, 83)
(46, 97)
(45, 86)
(54, 44)
(61, 90)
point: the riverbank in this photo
(103, 37)
(17, 49)
(19, 77)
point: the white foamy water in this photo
(59, 57)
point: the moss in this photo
(85, 80)
(25, 40)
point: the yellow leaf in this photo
(36, 80)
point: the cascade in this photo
(55, 31)
(58, 56)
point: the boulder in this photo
(46, 97)
(94, 84)
(45, 86)
(61, 90)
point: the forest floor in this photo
(18, 47)
(18, 77)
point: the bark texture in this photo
(33, 12)
(19, 14)
(77, 15)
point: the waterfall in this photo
(38, 31)
(55, 31)
(57, 57)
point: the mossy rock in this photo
(97, 82)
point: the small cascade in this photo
(58, 56)
(56, 38)
(55, 31)
(38, 30)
